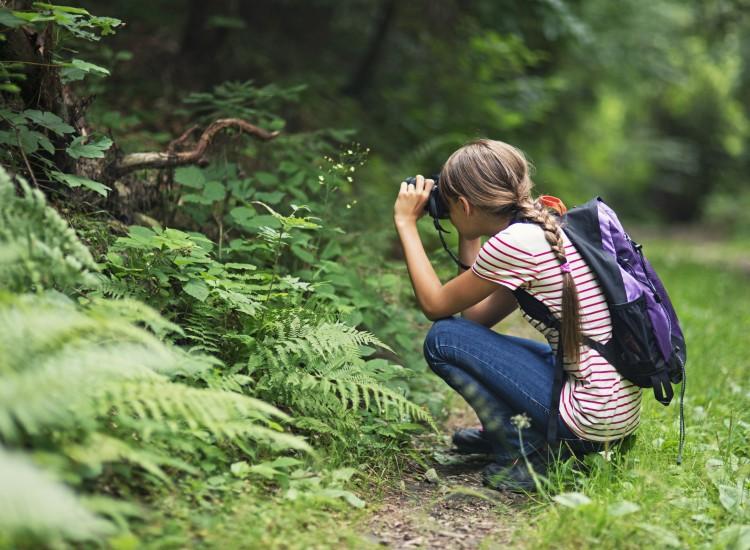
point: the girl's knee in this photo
(436, 337)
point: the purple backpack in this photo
(647, 345)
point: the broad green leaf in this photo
(71, 180)
(66, 9)
(32, 16)
(190, 176)
(106, 25)
(214, 191)
(141, 232)
(331, 250)
(622, 508)
(197, 289)
(242, 213)
(9, 19)
(266, 178)
(8, 138)
(734, 537)
(732, 497)
(87, 67)
(78, 69)
(662, 536)
(348, 496)
(343, 474)
(288, 167)
(250, 219)
(49, 120)
(46, 144)
(264, 470)
(240, 469)
(285, 462)
(197, 199)
(95, 149)
(29, 139)
(272, 197)
(572, 500)
(303, 254)
(9, 87)
(14, 117)
(234, 265)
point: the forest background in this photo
(204, 313)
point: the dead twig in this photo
(169, 158)
(177, 143)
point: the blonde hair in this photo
(494, 177)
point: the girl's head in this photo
(489, 178)
(492, 176)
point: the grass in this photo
(250, 517)
(641, 497)
(638, 498)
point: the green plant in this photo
(32, 137)
(301, 359)
(92, 396)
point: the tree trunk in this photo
(363, 75)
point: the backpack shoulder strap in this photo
(539, 312)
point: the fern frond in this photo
(38, 249)
(335, 379)
(33, 505)
(133, 311)
(113, 287)
(57, 390)
(32, 327)
(293, 339)
(177, 407)
(99, 449)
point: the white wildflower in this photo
(521, 421)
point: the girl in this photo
(486, 185)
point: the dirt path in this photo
(453, 510)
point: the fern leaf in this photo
(33, 504)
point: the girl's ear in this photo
(465, 206)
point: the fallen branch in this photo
(136, 161)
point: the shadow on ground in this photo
(451, 509)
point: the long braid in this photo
(571, 314)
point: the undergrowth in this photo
(254, 364)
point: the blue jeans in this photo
(501, 376)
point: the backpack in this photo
(647, 345)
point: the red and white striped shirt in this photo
(596, 402)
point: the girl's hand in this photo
(411, 201)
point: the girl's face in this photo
(462, 215)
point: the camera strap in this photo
(440, 231)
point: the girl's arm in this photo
(495, 307)
(435, 299)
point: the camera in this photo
(435, 206)
(438, 209)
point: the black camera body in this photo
(436, 206)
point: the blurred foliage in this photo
(642, 102)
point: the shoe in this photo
(471, 441)
(515, 477)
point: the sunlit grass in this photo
(641, 498)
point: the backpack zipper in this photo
(639, 249)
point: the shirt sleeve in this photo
(504, 261)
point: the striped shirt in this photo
(596, 402)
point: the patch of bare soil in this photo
(445, 505)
